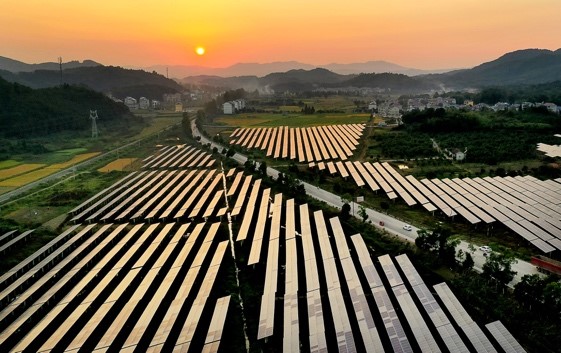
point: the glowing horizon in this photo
(434, 34)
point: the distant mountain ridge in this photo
(106, 79)
(16, 66)
(528, 66)
(260, 70)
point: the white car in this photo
(485, 249)
(407, 227)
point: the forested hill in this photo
(106, 79)
(27, 112)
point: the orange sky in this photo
(425, 34)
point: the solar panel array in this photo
(107, 284)
(526, 205)
(317, 143)
(550, 150)
(178, 157)
(334, 274)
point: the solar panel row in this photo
(310, 144)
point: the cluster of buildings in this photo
(232, 107)
(141, 103)
(392, 109)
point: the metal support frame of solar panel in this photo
(157, 299)
(310, 265)
(248, 214)
(123, 283)
(369, 180)
(147, 185)
(309, 157)
(384, 171)
(343, 331)
(192, 156)
(266, 138)
(163, 183)
(31, 309)
(158, 157)
(16, 240)
(448, 333)
(241, 196)
(188, 328)
(465, 199)
(150, 308)
(383, 184)
(473, 332)
(259, 142)
(279, 142)
(164, 205)
(364, 316)
(217, 325)
(193, 194)
(343, 151)
(354, 173)
(101, 193)
(114, 191)
(323, 149)
(182, 153)
(186, 206)
(267, 312)
(299, 145)
(203, 199)
(188, 151)
(92, 323)
(344, 139)
(328, 140)
(32, 274)
(117, 198)
(341, 168)
(504, 338)
(13, 273)
(291, 340)
(271, 142)
(27, 304)
(314, 145)
(263, 212)
(181, 177)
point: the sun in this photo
(200, 51)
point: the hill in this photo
(28, 112)
(529, 66)
(16, 66)
(106, 79)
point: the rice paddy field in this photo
(121, 164)
(17, 170)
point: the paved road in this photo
(392, 225)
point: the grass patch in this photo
(75, 160)
(160, 123)
(9, 163)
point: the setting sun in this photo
(200, 51)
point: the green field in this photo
(292, 120)
(9, 163)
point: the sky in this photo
(428, 34)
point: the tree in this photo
(438, 242)
(467, 264)
(362, 213)
(384, 205)
(552, 298)
(231, 152)
(529, 291)
(499, 267)
(345, 212)
(263, 168)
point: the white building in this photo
(144, 103)
(131, 103)
(232, 107)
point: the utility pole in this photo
(60, 68)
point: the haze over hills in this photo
(257, 69)
(530, 66)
